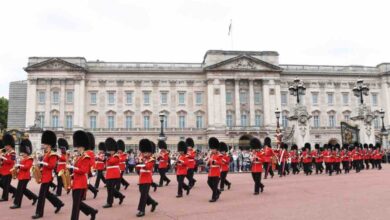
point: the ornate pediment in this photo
(244, 63)
(54, 64)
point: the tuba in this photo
(66, 176)
(35, 169)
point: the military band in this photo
(74, 170)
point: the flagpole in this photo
(230, 33)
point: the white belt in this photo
(99, 162)
(112, 167)
(257, 162)
(61, 163)
(214, 166)
(123, 162)
(191, 160)
(145, 171)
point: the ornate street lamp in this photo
(297, 89)
(161, 136)
(360, 89)
(382, 115)
(277, 114)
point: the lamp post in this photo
(277, 114)
(360, 90)
(297, 89)
(161, 136)
(384, 133)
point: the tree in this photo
(3, 112)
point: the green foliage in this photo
(3, 112)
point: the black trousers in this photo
(22, 190)
(224, 181)
(282, 169)
(268, 169)
(112, 191)
(295, 169)
(213, 184)
(59, 186)
(181, 185)
(379, 163)
(6, 185)
(336, 166)
(122, 181)
(329, 168)
(346, 166)
(145, 198)
(307, 168)
(356, 164)
(367, 162)
(92, 189)
(99, 177)
(190, 177)
(319, 167)
(163, 176)
(44, 194)
(78, 204)
(257, 179)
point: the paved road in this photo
(355, 196)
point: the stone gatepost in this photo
(363, 119)
(300, 125)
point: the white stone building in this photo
(228, 95)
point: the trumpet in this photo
(15, 169)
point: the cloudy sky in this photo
(328, 32)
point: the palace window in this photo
(258, 98)
(330, 98)
(41, 97)
(182, 121)
(198, 98)
(229, 120)
(146, 121)
(243, 97)
(258, 120)
(345, 98)
(110, 121)
(182, 96)
(69, 97)
(229, 97)
(164, 98)
(284, 98)
(92, 122)
(314, 97)
(129, 122)
(111, 98)
(54, 121)
(374, 99)
(69, 121)
(41, 118)
(56, 97)
(146, 97)
(244, 120)
(199, 121)
(129, 98)
(93, 97)
(284, 120)
(332, 121)
(376, 122)
(316, 121)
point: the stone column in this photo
(31, 102)
(210, 103)
(62, 103)
(222, 114)
(48, 104)
(266, 104)
(385, 95)
(237, 102)
(251, 104)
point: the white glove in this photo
(43, 163)
(71, 167)
(18, 165)
(3, 158)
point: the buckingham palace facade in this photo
(228, 95)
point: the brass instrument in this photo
(65, 173)
(2, 152)
(15, 169)
(35, 169)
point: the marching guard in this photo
(163, 159)
(100, 164)
(113, 174)
(90, 152)
(81, 167)
(23, 174)
(146, 166)
(268, 155)
(257, 158)
(294, 159)
(122, 165)
(306, 159)
(61, 164)
(214, 162)
(49, 140)
(7, 158)
(223, 148)
(181, 169)
(191, 153)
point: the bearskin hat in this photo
(121, 145)
(255, 143)
(25, 146)
(63, 144)
(294, 147)
(370, 146)
(317, 146)
(182, 146)
(223, 147)
(190, 142)
(161, 144)
(145, 146)
(80, 139)
(337, 146)
(377, 145)
(111, 144)
(9, 140)
(91, 140)
(345, 146)
(213, 143)
(1, 144)
(49, 138)
(102, 146)
(307, 146)
(267, 141)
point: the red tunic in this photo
(257, 162)
(225, 162)
(61, 164)
(122, 160)
(283, 156)
(306, 157)
(47, 170)
(24, 169)
(163, 159)
(327, 156)
(181, 165)
(146, 171)
(215, 163)
(191, 153)
(112, 167)
(91, 156)
(99, 161)
(7, 163)
(268, 153)
(344, 156)
(337, 158)
(294, 156)
(82, 167)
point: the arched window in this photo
(128, 119)
(111, 119)
(316, 119)
(182, 115)
(332, 119)
(229, 119)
